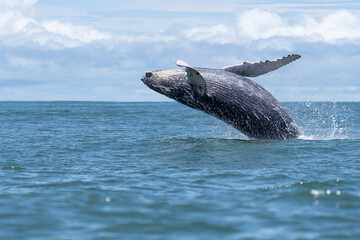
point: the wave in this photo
(325, 138)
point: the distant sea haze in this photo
(102, 170)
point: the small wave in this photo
(208, 139)
(238, 137)
(325, 138)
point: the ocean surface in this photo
(101, 170)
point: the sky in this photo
(91, 50)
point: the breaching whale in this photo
(228, 95)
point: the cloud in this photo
(12, 18)
(218, 34)
(80, 33)
(331, 28)
(19, 28)
(257, 24)
(19, 5)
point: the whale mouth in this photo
(148, 80)
(146, 76)
(165, 82)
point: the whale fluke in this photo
(259, 68)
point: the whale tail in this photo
(259, 68)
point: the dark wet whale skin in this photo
(232, 98)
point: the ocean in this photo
(104, 170)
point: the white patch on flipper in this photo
(181, 63)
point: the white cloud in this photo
(218, 33)
(256, 24)
(83, 34)
(12, 19)
(18, 27)
(19, 5)
(331, 28)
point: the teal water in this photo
(92, 170)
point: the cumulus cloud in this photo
(257, 24)
(19, 5)
(18, 27)
(12, 16)
(339, 25)
(218, 34)
(80, 33)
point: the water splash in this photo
(317, 121)
(325, 120)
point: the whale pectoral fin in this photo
(260, 68)
(195, 80)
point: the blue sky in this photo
(98, 50)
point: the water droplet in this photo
(328, 192)
(301, 183)
(316, 193)
(108, 199)
(338, 193)
(337, 180)
(12, 167)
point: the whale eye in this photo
(148, 74)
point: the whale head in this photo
(171, 83)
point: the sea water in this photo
(101, 170)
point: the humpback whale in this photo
(228, 95)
